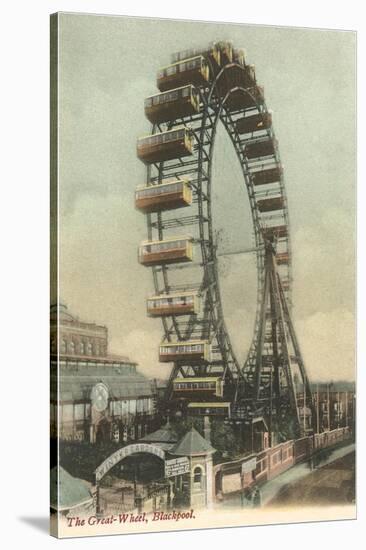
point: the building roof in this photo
(61, 311)
(192, 444)
(76, 382)
(165, 434)
(116, 360)
(71, 491)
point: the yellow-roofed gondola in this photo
(212, 53)
(182, 303)
(226, 51)
(189, 387)
(172, 104)
(171, 144)
(239, 56)
(188, 352)
(187, 71)
(168, 251)
(163, 196)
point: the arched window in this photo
(82, 348)
(71, 347)
(197, 475)
(89, 348)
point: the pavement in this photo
(333, 483)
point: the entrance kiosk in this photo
(187, 464)
(199, 453)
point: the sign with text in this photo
(176, 466)
(127, 451)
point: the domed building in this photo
(76, 338)
(102, 397)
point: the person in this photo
(257, 499)
(246, 498)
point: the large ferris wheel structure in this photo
(198, 91)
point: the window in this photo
(171, 70)
(132, 406)
(79, 411)
(197, 475)
(117, 408)
(63, 346)
(82, 348)
(67, 413)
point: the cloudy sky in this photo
(108, 66)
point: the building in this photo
(334, 405)
(76, 338)
(101, 397)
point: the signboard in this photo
(248, 466)
(176, 466)
(127, 451)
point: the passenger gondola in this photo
(190, 387)
(171, 144)
(226, 51)
(188, 71)
(172, 104)
(275, 231)
(173, 250)
(212, 53)
(254, 123)
(164, 196)
(270, 175)
(188, 352)
(270, 204)
(239, 56)
(235, 76)
(260, 148)
(183, 303)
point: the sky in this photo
(107, 67)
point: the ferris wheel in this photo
(198, 91)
